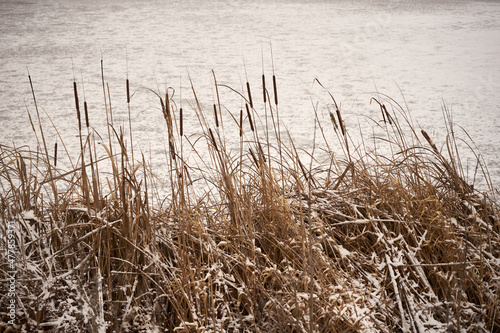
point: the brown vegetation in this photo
(252, 240)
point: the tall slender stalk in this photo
(47, 159)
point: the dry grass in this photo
(254, 240)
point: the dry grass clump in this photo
(253, 240)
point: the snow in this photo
(342, 251)
(368, 48)
(29, 215)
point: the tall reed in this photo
(364, 240)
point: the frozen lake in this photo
(426, 51)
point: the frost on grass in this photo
(255, 239)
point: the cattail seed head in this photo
(253, 157)
(249, 95)
(241, 123)
(387, 113)
(55, 154)
(264, 88)
(213, 139)
(275, 90)
(75, 92)
(250, 118)
(86, 114)
(341, 123)
(334, 122)
(216, 118)
(128, 92)
(181, 124)
(429, 140)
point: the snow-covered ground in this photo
(428, 52)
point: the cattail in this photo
(254, 158)
(249, 95)
(128, 92)
(55, 154)
(341, 123)
(213, 139)
(75, 91)
(383, 113)
(387, 113)
(180, 116)
(264, 88)
(332, 119)
(275, 91)
(241, 123)
(429, 140)
(250, 118)
(216, 118)
(86, 114)
(168, 117)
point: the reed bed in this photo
(258, 239)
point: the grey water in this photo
(421, 53)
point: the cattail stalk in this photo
(218, 97)
(77, 104)
(130, 121)
(84, 172)
(181, 126)
(241, 141)
(75, 92)
(263, 76)
(181, 123)
(274, 79)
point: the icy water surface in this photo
(428, 51)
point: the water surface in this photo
(420, 53)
